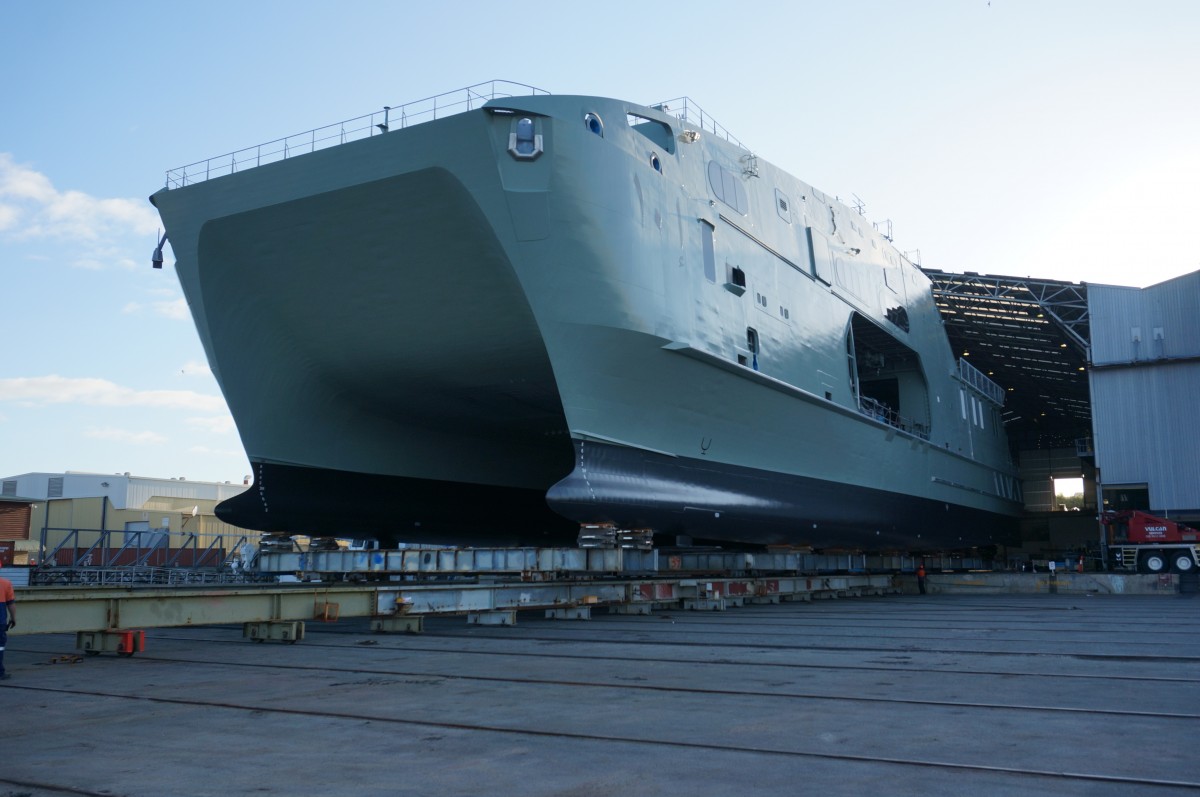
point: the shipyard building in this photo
(1101, 384)
(71, 510)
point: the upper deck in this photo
(398, 117)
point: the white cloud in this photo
(34, 208)
(195, 368)
(8, 216)
(177, 309)
(102, 393)
(217, 424)
(20, 182)
(125, 436)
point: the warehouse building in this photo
(1145, 385)
(1102, 384)
(39, 509)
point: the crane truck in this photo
(1148, 544)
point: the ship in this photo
(496, 315)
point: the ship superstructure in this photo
(550, 310)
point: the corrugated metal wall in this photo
(14, 521)
(1131, 325)
(1145, 383)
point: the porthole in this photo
(655, 162)
(594, 124)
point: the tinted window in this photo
(727, 187)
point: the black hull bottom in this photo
(393, 509)
(632, 488)
(725, 503)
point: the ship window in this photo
(710, 258)
(727, 187)
(737, 277)
(752, 340)
(524, 143)
(525, 136)
(655, 162)
(594, 124)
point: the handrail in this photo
(686, 110)
(222, 548)
(885, 414)
(975, 378)
(376, 123)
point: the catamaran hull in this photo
(704, 500)
(434, 336)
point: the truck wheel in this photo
(1182, 562)
(1154, 562)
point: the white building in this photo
(122, 490)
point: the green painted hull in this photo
(428, 315)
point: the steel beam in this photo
(67, 609)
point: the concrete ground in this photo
(935, 695)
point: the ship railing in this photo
(885, 414)
(687, 111)
(394, 117)
(110, 548)
(976, 379)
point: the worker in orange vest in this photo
(8, 619)
(921, 577)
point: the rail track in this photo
(665, 744)
(801, 673)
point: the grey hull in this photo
(427, 336)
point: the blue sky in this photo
(1053, 139)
